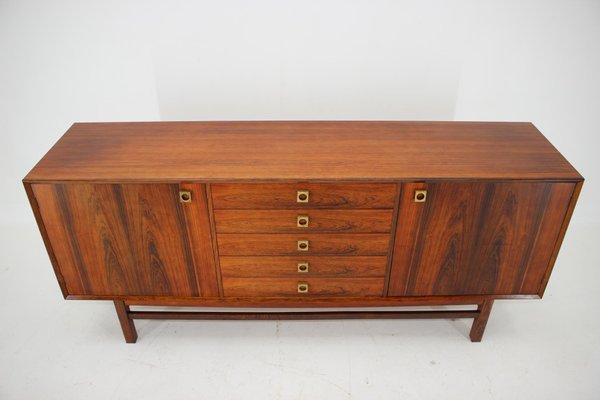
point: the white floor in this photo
(56, 349)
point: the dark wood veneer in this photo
(359, 244)
(287, 266)
(287, 287)
(302, 151)
(304, 302)
(121, 239)
(285, 221)
(107, 201)
(228, 196)
(477, 238)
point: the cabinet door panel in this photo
(476, 237)
(129, 239)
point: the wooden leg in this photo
(479, 323)
(126, 322)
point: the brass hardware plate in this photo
(302, 245)
(302, 267)
(420, 196)
(302, 196)
(302, 287)
(185, 196)
(302, 221)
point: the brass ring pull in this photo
(185, 196)
(302, 287)
(302, 221)
(302, 267)
(302, 196)
(302, 245)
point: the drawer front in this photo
(259, 221)
(302, 196)
(296, 244)
(309, 287)
(301, 267)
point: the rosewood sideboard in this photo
(303, 215)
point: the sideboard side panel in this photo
(477, 238)
(42, 227)
(549, 237)
(128, 239)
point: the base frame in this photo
(480, 316)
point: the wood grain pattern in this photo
(561, 236)
(283, 195)
(499, 200)
(288, 287)
(480, 322)
(213, 231)
(301, 151)
(285, 221)
(477, 238)
(349, 244)
(127, 324)
(119, 239)
(278, 266)
(547, 236)
(408, 224)
(197, 222)
(308, 302)
(302, 315)
(41, 226)
(392, 238)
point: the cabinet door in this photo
(129, 239)
(476, 237)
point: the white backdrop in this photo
(66, 61)
(505, 60)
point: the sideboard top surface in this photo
(300, 151)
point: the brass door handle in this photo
(420, 196)
(302, 267)
(302, 196)
(185, 196)
(302, 287)
(302, 221)
(302, 245)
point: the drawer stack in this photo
(303, 239)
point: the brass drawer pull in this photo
(302, 245)
(302, 287)
(302, 267)
(302, 221)
(185, 196)
(302, 196)
(420, 196)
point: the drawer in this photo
(291, 287)
(258, 221)
(298, 266)
(300, 196)
(231, 244)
